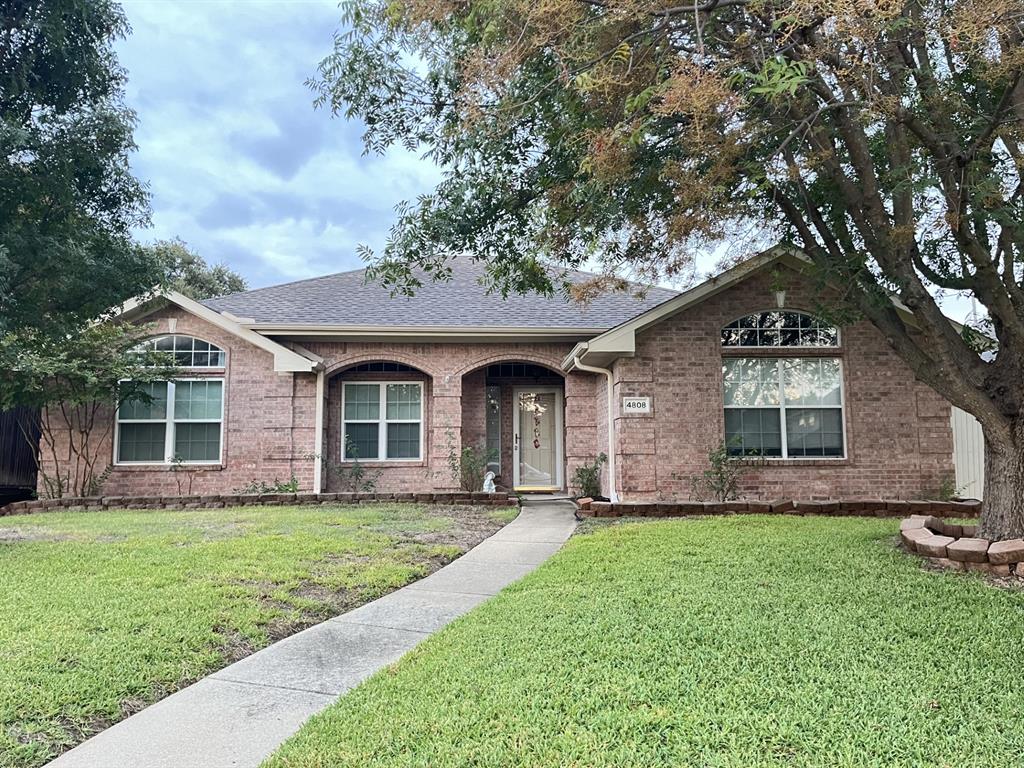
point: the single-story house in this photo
(306, 378)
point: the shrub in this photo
(278, 486)
(353, 476)
(586, 478)
(469, 466)
(720, 481)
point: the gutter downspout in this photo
(318, 437)
(611, 422)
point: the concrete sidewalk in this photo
(238, 716)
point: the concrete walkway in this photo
(238, 716)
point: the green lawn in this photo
(104, 612)
(735, 641)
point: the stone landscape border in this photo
(97, 503)
(957, 547)
(840, 508)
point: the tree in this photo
(190, 274)
(69, 389)
(68, 200)
(884, 139)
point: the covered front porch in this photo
(513, 413)
(406, 423)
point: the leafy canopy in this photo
(68, 200)
(188, 272)
(883, 137)
(69, 387)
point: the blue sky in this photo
(239, 163)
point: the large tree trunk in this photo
(1002, 514)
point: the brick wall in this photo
(899, 441)
(456, 377)
(268, 422)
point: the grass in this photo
(104, 612)
(737, 641)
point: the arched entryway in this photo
(513, 412)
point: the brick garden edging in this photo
(839, 508)
(955, 546)
(96, 503)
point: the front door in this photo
(537, 439)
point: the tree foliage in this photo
(885, 138)
(188, 272)
(69, 388)
(68, 200)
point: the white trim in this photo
(804, 312)
(169, 421)
(781, 408)
(497, 460)
(318, 437)
(382, 421)
(171, 334)
(425, 332)
(285, 359)
(620, 341)
(613, 495)
(559, 437)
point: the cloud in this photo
(239, 163)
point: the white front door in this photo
(537, 459)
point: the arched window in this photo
(776, 328)
(181, 421)
(779, 406)
(188, 351)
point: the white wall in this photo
(968, 454)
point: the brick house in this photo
(303, 378)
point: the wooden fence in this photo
(17, 457)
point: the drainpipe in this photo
(611, 422)
(318, 437)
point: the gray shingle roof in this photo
(346, 299)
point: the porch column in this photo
(445, 429)
(318, 437)
(581, 408)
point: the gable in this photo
(620, 341)
(286, 360)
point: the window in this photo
(188, 352)
(784, 407)
(382, 421)
(183, 420)
(493, 428)
(779, 329)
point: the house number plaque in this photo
(633, 406)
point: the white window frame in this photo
(382, 421)
(780, 347)
(169, 427)
(150, 344)
(782, 407)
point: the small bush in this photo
(278, 486)
(353, 476)
(720, 482)
(948, 490)
(469, 466)
(587, 477)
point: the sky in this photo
(238, 162)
